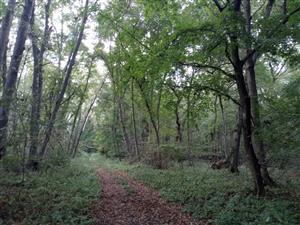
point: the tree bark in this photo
(177, 116)
(137, 150)
(178, 123)
(65, 83)
(214, 131)
(236, 142)
(4, 35)
(123, 125)
(12, 74)
(188, 120)
(159, 103)
(224, 127)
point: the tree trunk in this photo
(37, 85)
(188, 112)
(71, 139)
(137, 151)
(224, 127)
(214, 131)
(257, 135)
(123, 125)
(11, 78)
(247, 127)
(4, 35)
(159, 102)
(85, 119)
(236, 142)
(152, 120)
(76, 132)
(252, 88)
(178, 123)
(234, 58)
(65, 83)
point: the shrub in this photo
(12, 163)
(56, 195)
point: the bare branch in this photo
(205, 66)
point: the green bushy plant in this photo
(60, 194)
(11, 163)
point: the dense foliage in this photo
(60, 193)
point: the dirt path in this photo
(125, 201)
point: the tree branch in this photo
(204, 66)
(220, 8)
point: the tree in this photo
(67, 76)
(4, 35)
(37, 83)
(11, 77)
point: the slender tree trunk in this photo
(252, 87)
(149, 110)
(76, 132)
(224, 127)
(177, 116)
(188, 128)
(4, 35)
(123, 125)
(116, 114)
(214, 131)
(236, 142)
(115, 120)
(134, 121)
(76, 115)
(12, 74)
(178, 123)
(188, 111)
(65, 83)
(86, 117)
(159, 103)
(37, 85)
(14, 113)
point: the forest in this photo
(149, 112)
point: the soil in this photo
(125, 201)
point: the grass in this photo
(61, 194)
(216, 195)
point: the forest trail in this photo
(125, 201)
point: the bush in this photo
(12, 163)
(59, 195)
(56, 159)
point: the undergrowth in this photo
(216, 196)
(60, 193)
